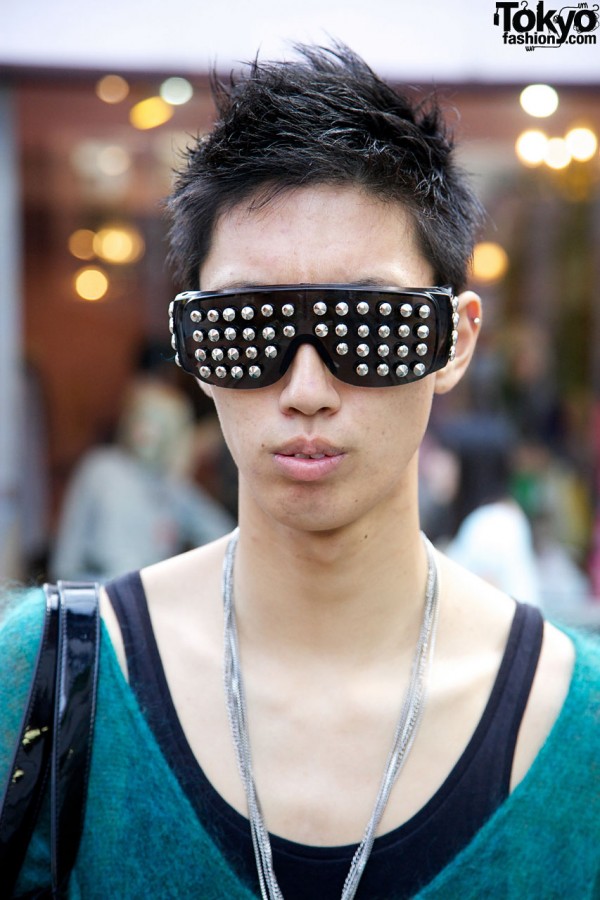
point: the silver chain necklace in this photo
(410, 715)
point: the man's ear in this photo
(469, 323)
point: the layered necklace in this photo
(410, 715)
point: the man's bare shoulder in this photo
(485, 615)
(177, 577)
(548, 693)
(177, 590)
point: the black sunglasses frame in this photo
(368, 336)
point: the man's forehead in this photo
(315, 234)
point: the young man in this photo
(315, 221)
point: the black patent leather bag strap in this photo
(55, 738)
(31, 759)
(74, 717)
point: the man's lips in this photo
(305, 447)
(308, 460)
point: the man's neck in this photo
(348, 593)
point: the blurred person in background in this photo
(134, 503)
(549, 489)
(439, 475)
(493, 537)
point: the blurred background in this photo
(95, 103)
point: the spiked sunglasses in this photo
(366, 336)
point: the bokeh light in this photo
(113, 160)
(90, 283)
(531, 147)
(150, 113)
(582, 143)
(81, 243)
(539, 100)
(118, 244)
(112, 89)
(176, 91)
(490, 261)
(557, 153)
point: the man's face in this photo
(314, 453)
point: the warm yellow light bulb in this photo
(557, 153)
(539, 100)
(91, 283)
(582, 143)
(81, 243)
(112, 89)
(150, 113)
(531, 147)
(490, 261)
(118, 244)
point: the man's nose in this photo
(308, 387)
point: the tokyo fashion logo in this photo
(541, 27)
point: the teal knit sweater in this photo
(143, 840)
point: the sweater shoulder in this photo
(21, 624)
(587, 646)
(20, 632)
(543, 839)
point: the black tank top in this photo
(403, 860)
